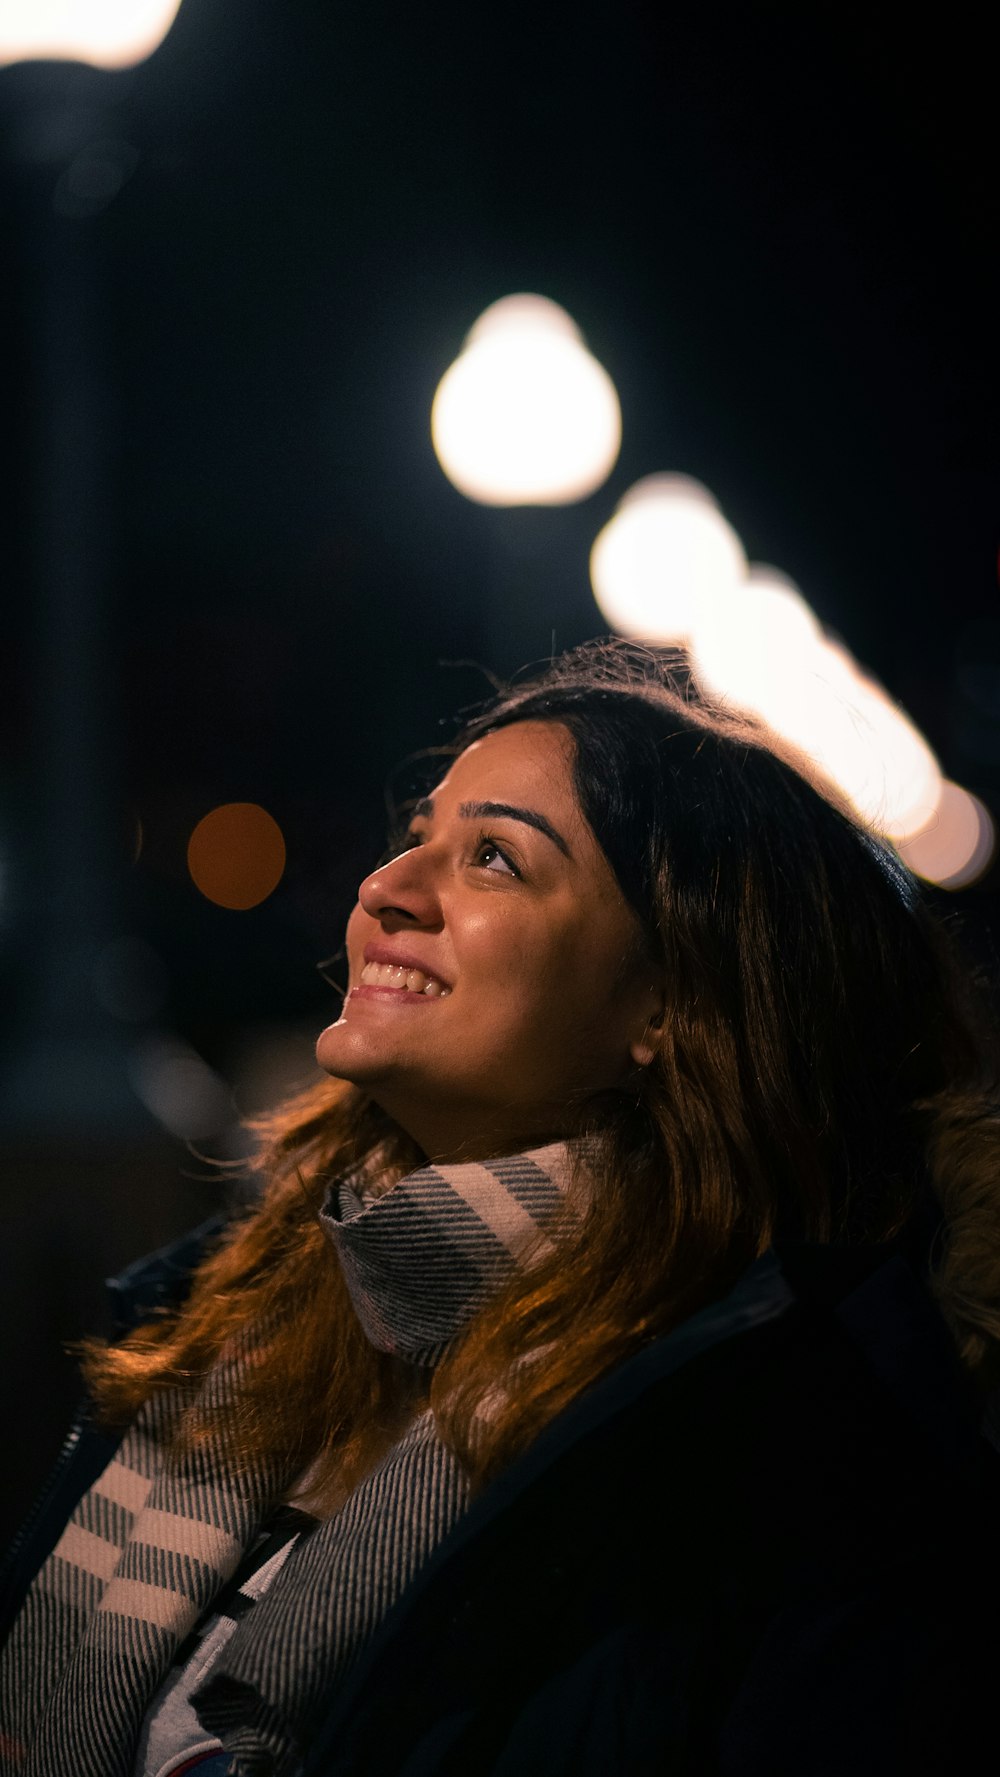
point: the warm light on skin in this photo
(957, 846)
(665, 557)
(105, 33)
(549, 998)
(526, 415)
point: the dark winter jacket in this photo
(767, 1544)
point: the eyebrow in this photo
(478, 811)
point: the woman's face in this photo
(496, 979)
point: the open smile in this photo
(392, 978)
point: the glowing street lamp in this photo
(526, 416)
(859, 737)
(762, 649)
(664, 560)
(105, 33)
(746, 646)
(957, 847)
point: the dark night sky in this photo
(776, 227)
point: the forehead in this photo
(527, 756)
(531, 764)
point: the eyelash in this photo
(412, 839)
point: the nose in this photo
(402, 892)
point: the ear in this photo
(643, 1047)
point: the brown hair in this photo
(825, 1074)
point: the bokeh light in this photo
(669, 569)
(957, 847)
(236, 855)
(746, 644)
(908, 780)
(105, 33)
(863, 741)
(526, 416)
(762, 650)
(177, 1085)
(664, 559)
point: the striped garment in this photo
(173, 1742)
(156, 1538)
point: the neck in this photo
(453, 1140)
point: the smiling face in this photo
(496, 974)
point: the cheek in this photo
(511, 957)
(585, 986)
(359, 930)
(543, 980)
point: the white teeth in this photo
(405, 980)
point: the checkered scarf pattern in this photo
(154, 1540)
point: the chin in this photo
(348, 1054)
(337, 1051)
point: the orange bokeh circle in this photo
(236, 855)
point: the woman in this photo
(606, 1354)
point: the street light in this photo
(526, 416)
(665, 557)
(762, 649)
(957, 847)
(105, 33)
(830, 708)
(668, 569)
(746, 645)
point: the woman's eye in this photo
(488, 854)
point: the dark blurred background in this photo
(234, 572)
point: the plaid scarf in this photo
(159, 1533)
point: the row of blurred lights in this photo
(527, 416)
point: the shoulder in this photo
(161, 1279)
(749, 1530)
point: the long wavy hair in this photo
(826, 1073)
